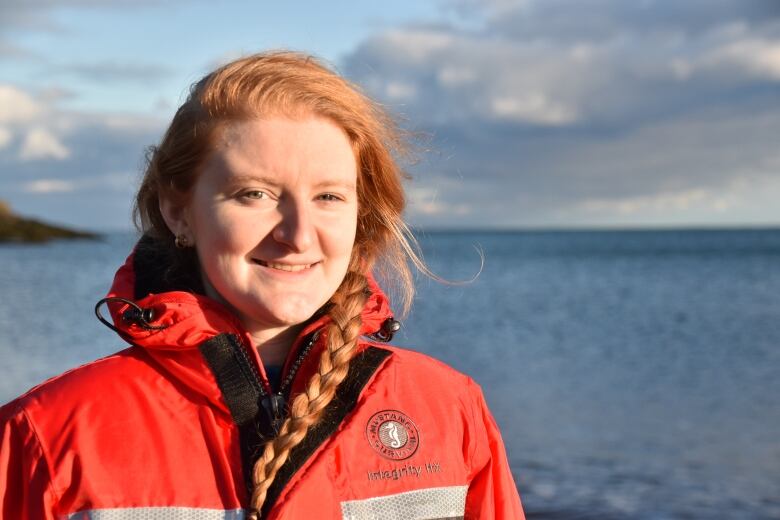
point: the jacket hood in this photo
(154, 312)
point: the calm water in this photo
(634, 374)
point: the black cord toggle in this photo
(135, 314)
(389, 327)
(142, 317)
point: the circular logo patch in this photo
(393, 434)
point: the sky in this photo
(523, 114)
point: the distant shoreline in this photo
(16, 229)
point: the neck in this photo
(273, 345)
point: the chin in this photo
(291, 321)
(289, 317)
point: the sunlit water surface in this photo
(633, 374)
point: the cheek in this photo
(222, 233)
(338, 237)
(340, 249)
(342, 245)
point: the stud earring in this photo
(182, 242)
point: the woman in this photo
(258, 383)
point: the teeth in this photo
(287, 267)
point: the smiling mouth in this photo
(292, 268)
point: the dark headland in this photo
(14, 228)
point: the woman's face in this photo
(273, 216)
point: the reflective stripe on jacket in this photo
(168, 428)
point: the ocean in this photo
(634, 374)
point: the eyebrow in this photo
(334, 183)
(271, 181)
(253, 178)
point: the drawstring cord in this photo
(143, 318)
(135, 314)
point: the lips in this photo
(290, 268)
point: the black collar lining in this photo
(159, 267)
(237, 383)
(361, 369)
(238, 387)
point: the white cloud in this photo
(681, 69)
(760, 57)
(630, 64)
(399, 91)
(449, 76)
(35, 119)
(747, 195)
(48, 186)
(17, 106)
(427, 202)
(533, 107)
(112, 182)
(40, 143)
(658, 202)
(417, 46)
(586, 111)
(456, 75)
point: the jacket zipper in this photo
(273, 404)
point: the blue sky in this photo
(534, 113)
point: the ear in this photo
(176, 216)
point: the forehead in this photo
(309, 141)
(303, 151)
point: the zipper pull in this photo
(274, 409)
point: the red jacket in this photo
(168, 427)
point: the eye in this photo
(254, 195)
(330, 197)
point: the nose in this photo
(295, 228)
